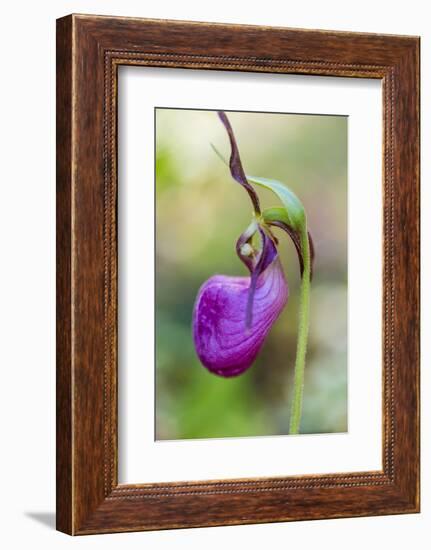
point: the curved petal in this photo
(223, 343)
(235, 165)
(267, 255)
(294, 235)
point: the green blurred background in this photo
(200, 212)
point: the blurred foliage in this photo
(200, 212)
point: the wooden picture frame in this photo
(89, 52)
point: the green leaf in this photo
(276, 214)
(294, 209)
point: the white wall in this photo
(27, 278)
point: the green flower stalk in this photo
(301, 348)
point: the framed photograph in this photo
(237, 274)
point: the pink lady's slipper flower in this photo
(233, 315)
